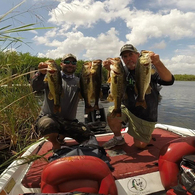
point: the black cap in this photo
(128, 47)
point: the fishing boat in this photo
(150, 171)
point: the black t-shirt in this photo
(152, 99)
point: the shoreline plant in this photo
(19, 106)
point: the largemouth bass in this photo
(143, 72)
(54, 79)
(117, 85)
(90, 83)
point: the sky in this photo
(98, 29)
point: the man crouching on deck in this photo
(55, 126)
(141, 119)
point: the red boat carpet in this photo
(127, 160)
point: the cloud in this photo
(188, 5)
(145, 25)
(101, 47)
(161, 45)
(97, 29)
(77, 13)
(180, 64)
(87, 13)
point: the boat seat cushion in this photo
(86, 174)
(170, 158)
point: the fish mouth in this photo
(51, 70)
(147, 64)
(115, 72)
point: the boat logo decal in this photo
(137, 184)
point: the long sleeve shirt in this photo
(69, 98)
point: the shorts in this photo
(138, 128)
(53, 124)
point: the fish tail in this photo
(141, 103)
(116, 113)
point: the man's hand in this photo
(163, 72)
(106, 64)
(42, 67)
(155, 58)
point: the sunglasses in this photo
(68, 62)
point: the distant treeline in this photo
(12, 62)
(184, 77)
(19, 62)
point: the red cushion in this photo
(78, 173)
(170, 157)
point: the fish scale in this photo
(90, 83)
(143, 72)
(117, 85)
(54, 80)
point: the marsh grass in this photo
(19, 106)
(18, 111)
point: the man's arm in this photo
(37, 82)
(163, 72)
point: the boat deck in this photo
(127, 160)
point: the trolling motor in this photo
(96, 120)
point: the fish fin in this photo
(141, 103)
(148, 91)
(153, 71)
(50, 96)
(45, 79)
(110, 98)
(109, 80)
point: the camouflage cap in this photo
(69, 55)
(128, 47)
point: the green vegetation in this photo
(18, 104)
(184, 77)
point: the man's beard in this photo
(131, 66)
(68, 70)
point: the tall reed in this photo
(19, 106)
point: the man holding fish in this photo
(144, 72)
(61, 96)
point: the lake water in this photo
(177, 106)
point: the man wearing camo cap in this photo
(56, 126)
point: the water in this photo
(177, 106)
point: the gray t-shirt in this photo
(69, 99)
